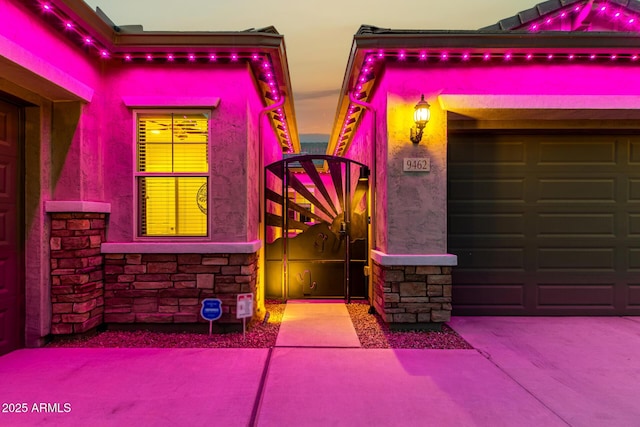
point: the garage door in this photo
(545, 224)
(11, 290)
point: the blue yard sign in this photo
(211, 309)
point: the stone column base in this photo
(411, 296)
(76, 272)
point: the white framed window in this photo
(172, 173)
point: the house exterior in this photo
(143, 172)
(523, 196)
(131, 167)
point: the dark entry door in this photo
(11, 323)
(316, 228)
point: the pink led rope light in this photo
(68, 26)
(603, 9)
(371, 58)
(263, 61)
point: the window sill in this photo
(182, 247)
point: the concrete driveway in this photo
(523, 372)
(586, 370)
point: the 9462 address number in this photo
(417, 164)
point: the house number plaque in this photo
(416, 164)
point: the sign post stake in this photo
(244, 309)
(211, 310)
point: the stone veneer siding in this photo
(76, 271)
(412, 294)
(169, 288)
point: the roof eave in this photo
(373, 39)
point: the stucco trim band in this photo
(76, 206)
(170, 102)
(452, 102)
(182, 247)
(402, 259)
(43, 71)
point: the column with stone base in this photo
(412, 291)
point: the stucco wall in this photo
(229, 135)
(369, 146)
(411, 207)
(416, 201)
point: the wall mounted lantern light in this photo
(421, 116)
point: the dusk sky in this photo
(318, 33)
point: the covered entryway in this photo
(545, 222)
(319, 248)
(11, 283)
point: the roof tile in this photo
(509, 23)
(549, 6)
(529, 15)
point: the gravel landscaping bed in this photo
(372, 332)
(259, 335)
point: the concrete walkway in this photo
(524, 372)
(317, 323)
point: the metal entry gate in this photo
(316, 228)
